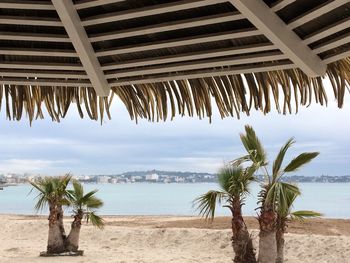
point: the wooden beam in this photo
(94, 3)
(37, 52)
(279, 5)
(180, 42)
(148, 11)
(29, 21)
(33, 37)
(338, 56)
(42, 74)
(260, 15)
(31, 5)
(316, 12)
(191, 56)
(328, 31)
(45, 82)
(334, 43)
(203, 74)
(43, 66)
(202, 64)
(82, 45)
(169, 26)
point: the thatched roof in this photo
(170, 57)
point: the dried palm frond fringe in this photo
(233, 95)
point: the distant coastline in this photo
(158, 176)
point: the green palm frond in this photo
(37, 187)
(90, 194)
(206, 203)
(303, 214)
(65, 202)
(95, 220)
(227, 176)
(51, 189)
(41, 203)
(78, 191)
(279, 159)
(300, 160)
(241, 160)
(253, 146)
(93, 202)
(81, 202)
(280, 196)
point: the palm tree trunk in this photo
(241, 240)
(72, 243)
(56, 242)
(280, 241)
(267, 237)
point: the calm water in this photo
(333, 200)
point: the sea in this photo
(330, 199)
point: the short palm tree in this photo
(234, 184)
(273, 193)
(84, 205)
(52, 192)
(285, 215)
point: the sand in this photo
(168, 239)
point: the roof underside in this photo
(170, 56)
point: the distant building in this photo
(114, 180)
(179, 179)
(136, 178)
(103, 179)
(152, 177)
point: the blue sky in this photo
(185, 144)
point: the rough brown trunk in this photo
(56, 238)
(281, 228)
(267, 237)
(72, 243)
(241, 240)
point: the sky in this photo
(84, 147)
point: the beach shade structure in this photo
(171, 57)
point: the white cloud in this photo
(84, 146)
(29, 165)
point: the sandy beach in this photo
(169, 239)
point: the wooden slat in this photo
(330, 30)
(82, 45)
(338, 56)
(21, 36)
(45, 82)
(191, 56)
(31, 21)
(261, 16)
(94, 3)
(279, 5)
(180, 42)
(148, 11)
(37, 52)
(202, 64)
(157, 28)
(42, 74)
(334, 43)
(32, 5)
(316, 12)
(49, 66)
(203, 74)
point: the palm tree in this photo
(285, 216)
(273, 193)
(234, 184)
(84, 206)
(52, 192)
